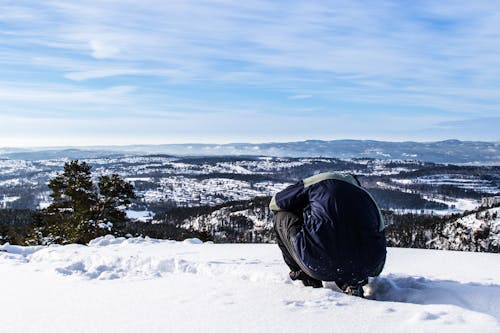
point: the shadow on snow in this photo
(471, 296)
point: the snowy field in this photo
(147, 285)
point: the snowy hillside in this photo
(252, 222)
(147, 285)
(475, 232)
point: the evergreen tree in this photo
(114, 193)
(81, 211)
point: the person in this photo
(329, 228)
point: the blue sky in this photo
(125, 72)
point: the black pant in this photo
(286, 226)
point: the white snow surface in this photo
(148, 285)
(139, 215)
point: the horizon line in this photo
(234, 143)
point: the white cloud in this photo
(301, 96)
(428, 55)
(102, 50)
(377, 41)
(62, 93)
(109, 72)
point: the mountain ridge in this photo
(450, 151)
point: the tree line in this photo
(81, 210)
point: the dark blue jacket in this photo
(342, 238)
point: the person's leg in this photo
(286, 226)
(379, 268)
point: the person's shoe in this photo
(353, 290)
(295, 275)
(306, 279)
(311, 282)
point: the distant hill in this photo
(449, 151)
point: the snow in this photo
(139, 215)
(10, 182)
(466, 182)
(212, 181)
(143, 284)
(461, 181)
(139, 179)
(5, 200)
(474, 232)
(456, 205)
(193, 192)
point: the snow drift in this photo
(142, 284)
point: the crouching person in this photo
(330, 229)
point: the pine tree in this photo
(114, 193)
(80, 210)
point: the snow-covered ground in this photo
(456, 205)
(6, 199)
(147, 285)
(140, 215)
(211, 181)
(192, 192)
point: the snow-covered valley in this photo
(148, 285)
(163, 181)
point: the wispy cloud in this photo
(303, 96)
(336, 58)
(104, 72)
(102, 50)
